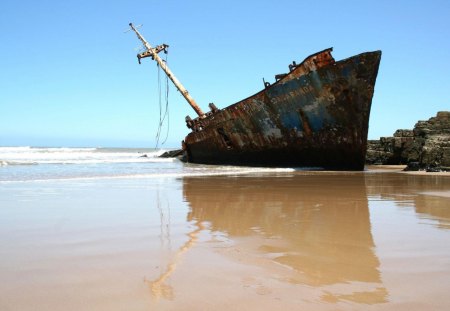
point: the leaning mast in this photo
(153, 52)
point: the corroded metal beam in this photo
(153, 52)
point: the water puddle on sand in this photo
(293, 241)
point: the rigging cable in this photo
(166, 113)
(159, 101)
(163, 114)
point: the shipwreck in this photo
(315, 115)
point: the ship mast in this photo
(153, 52)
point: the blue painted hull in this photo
(315, 116)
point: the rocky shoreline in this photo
(426, 147)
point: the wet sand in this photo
(374, 240)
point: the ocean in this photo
(42, 164)
(121, 229)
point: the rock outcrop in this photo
(426, 146)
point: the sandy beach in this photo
(373, 240)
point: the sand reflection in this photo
(428, 195)
(159, 288)
(317, 227)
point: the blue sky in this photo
(69, 74)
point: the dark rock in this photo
(172, 154)
(412, 166)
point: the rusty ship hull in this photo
(316, 115)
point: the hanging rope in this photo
(166, 111)
(163, 111)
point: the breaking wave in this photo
(34, 155)
(31, 164)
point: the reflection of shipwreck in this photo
(159, 287)
(317, 114)
(322, 222)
